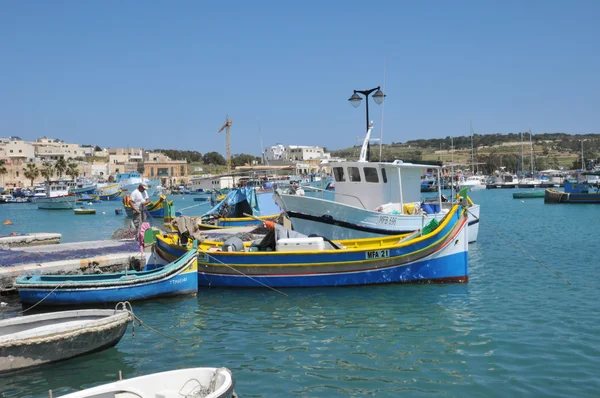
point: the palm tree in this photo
(72, 170)
(3, 170)
(47, 171)
(31, 172)
(60, 166)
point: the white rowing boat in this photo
(192, 382)
(35, 340)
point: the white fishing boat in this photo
(474, 183)
(371, 199)
(57, 197)
(35, 340)
(192, 382)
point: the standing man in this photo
(139, 200)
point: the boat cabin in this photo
(371, 184)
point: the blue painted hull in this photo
(178, 277)
(445, 268)
(184, 283)
(154, 213)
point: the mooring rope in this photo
(521, 249)
(247, 276)
(48, 295)
(124, 305)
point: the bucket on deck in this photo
(430, 208)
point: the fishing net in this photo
(15, 257)
(123, 233)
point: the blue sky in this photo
(165, 74)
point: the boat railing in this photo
(339, 193)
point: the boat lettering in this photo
(178, 281)
(386, 220)
(375, 254)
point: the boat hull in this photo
(440, 258)
(553, 196)
(529, 195)
(68, 342)
(340, 221)
(181, 278)
(56, 203)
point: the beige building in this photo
(16, 148)
(124, 155)
(170, 173)
(54, 149)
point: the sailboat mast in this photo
(521, 160)
(531, 145)
(582, 165)
(472, 150)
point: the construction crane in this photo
(226, 127)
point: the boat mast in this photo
(521, 160)
(452, 168)
(531, 145)
(582, 165)
(472, 166)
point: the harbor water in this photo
(516, 329)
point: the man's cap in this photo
(144, 185)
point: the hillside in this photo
(492, 151)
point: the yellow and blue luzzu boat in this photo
(438, 255)
(155, 209)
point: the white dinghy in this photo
(192, 382)
(35, 340)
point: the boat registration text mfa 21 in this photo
(375, 254)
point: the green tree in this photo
(97, 149)
(47, 170)
(214, 158)
(31, 172)
(243, 159)
(60, 166)
(72, 170)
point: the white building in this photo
(208, 182)
(294, 153)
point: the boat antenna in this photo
(262, 150)
(382, 109)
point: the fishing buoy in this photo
(103, 213)
(522, 201)
(7, 222)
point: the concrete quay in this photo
(26, 240)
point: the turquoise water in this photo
(514, 330)
(27, 218)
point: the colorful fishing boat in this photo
(118, 195)
(85, 198)
(178, 277)
(155, 209)
(437, 253)
(529, 194)
(231, 209)
(34, 340)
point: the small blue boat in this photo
(178, 277)
(577, 190)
